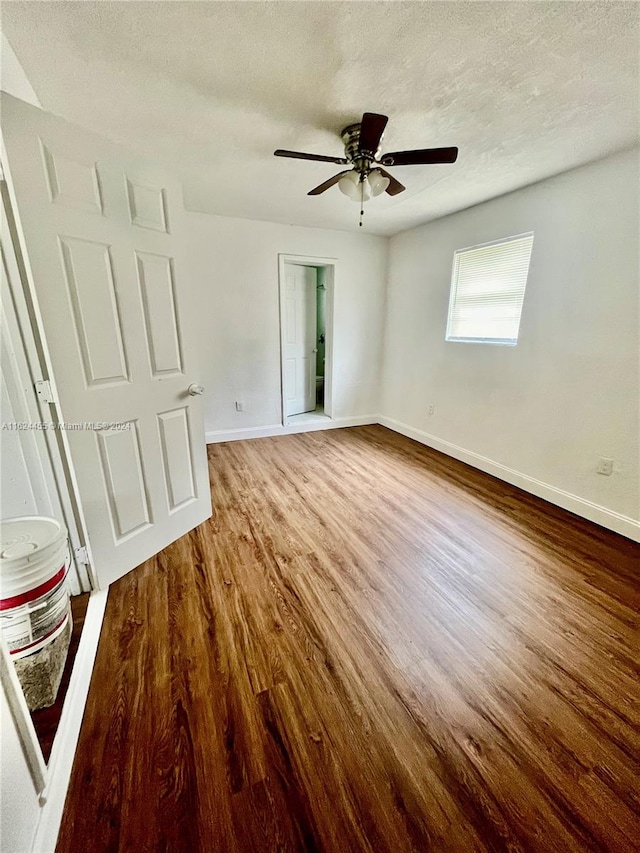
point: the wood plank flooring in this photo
(370, 647)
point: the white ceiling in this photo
(525, 89)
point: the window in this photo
(487, 291)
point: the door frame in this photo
(329, 265)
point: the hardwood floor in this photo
(369, 647)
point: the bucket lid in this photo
(26, 540)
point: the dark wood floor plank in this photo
(370, 648)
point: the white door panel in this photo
(104, 234)
(299, 338)
(158, 291)
(176, 457)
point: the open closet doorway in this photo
(306, 315)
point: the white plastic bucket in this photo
(34, 596)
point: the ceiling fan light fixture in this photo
(349, 185)
(378, 183)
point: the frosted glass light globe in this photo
(349, 184)
(354, 188)
(378, 182)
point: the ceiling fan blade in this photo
(394, 187)
(371, 131)
(328, 184)
(300, 155)
(422, 156)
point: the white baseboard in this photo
(278, 429)
(622, 524)
(66, 739)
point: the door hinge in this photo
(82, 555)
(44, 391)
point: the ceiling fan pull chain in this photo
(361, 200)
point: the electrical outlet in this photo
(432, 409)
(239, 406)
(605, 466)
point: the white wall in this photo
(17, 493)
(568, 393)
(235, 273)
(20, 806)
(13, 80)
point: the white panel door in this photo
(103, 235)
(299, 338)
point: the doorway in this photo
(306, 314)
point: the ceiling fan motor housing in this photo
(362, 160)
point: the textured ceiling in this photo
(525, 89)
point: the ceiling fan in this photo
(366, 177)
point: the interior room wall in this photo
(17, 495)
(20, 804)
(540, 414)
(13, 80)
(235, 276)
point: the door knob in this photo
(195, 390)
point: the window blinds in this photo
(487, 291)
